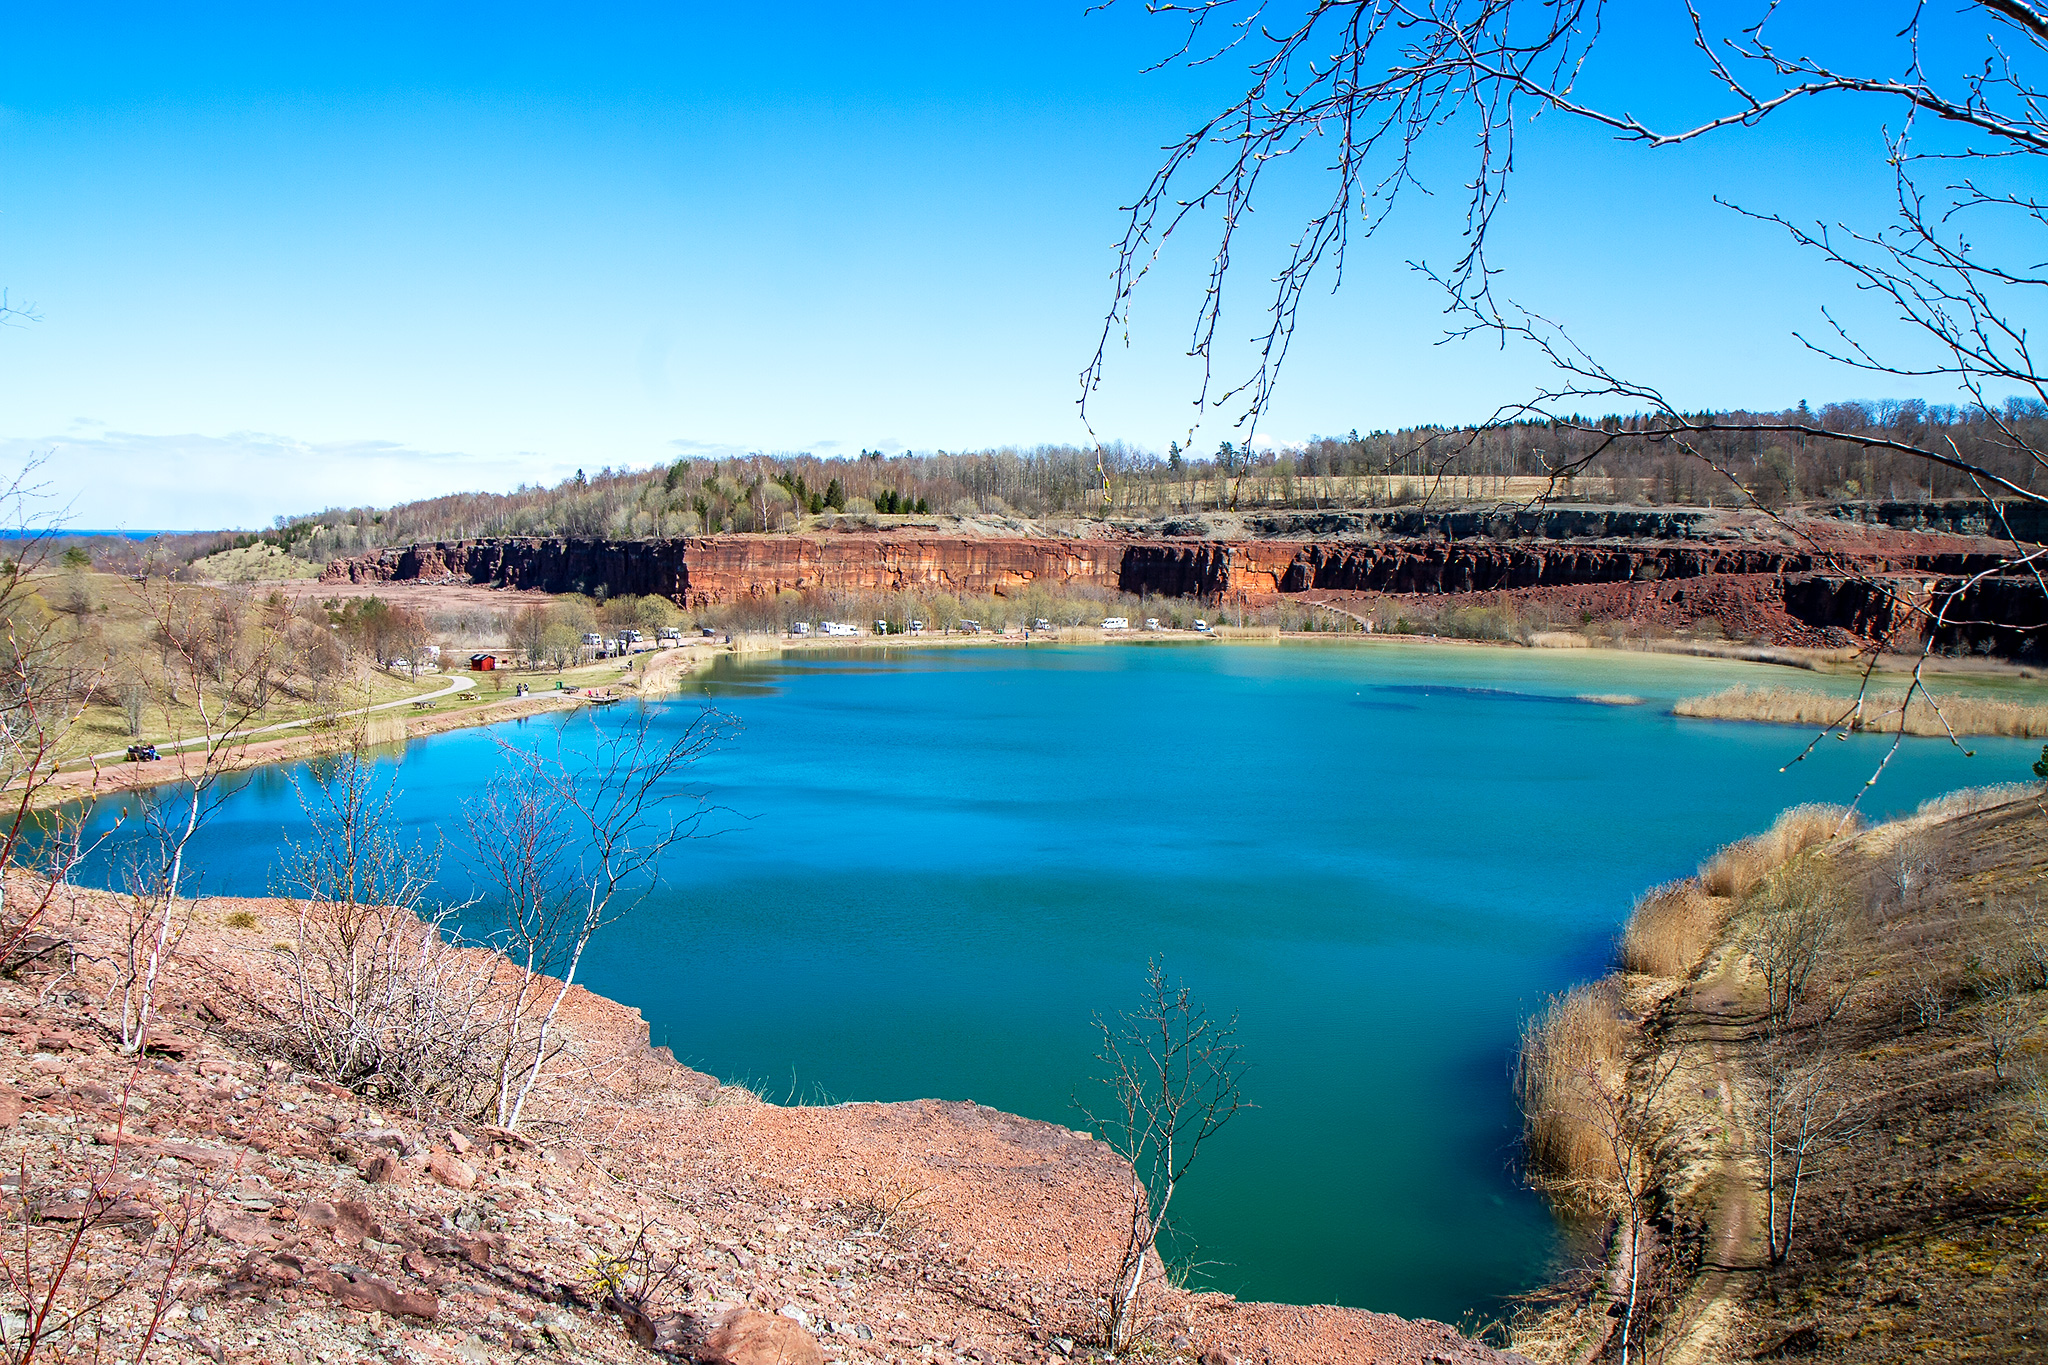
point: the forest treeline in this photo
(1615, 459)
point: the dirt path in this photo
(1720, 1020)
(454, 685)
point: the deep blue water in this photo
(1384, 857)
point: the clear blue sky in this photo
(284, 261)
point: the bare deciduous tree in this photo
(213, 676)
(1797, 925)
(1173, 1074)
(569, 842)
(41, 702)
(1800, 1111)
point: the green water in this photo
(1383, 856)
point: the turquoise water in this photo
(1383, 856)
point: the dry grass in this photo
(1739, 868)
(1970, 800)
(1881, 712)
(1579, 1036)
(1671, 929)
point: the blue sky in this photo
(283, 261)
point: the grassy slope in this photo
(114, 636)
(1926, 1234)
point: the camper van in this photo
(837, 628)
(1116, 623)
(800, 628)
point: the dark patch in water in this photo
(1490, 693)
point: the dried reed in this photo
(1881, 712)
(1970, 800)
(1736, 869)
(1576, 1043)
(1671, 928)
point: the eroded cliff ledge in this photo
(1837, 578)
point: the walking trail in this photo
(1714, 1015)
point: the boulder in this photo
(747, 1337)
(451, 1171)
(741, 1336)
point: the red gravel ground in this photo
(319, 1227)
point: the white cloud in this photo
(133, 481)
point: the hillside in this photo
(1828, 1088)
(219, 1200)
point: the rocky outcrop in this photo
(711, 570)
(1498, 523)
(708, 571)
(1958, 517)
(1871, 590)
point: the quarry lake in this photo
(941, 863)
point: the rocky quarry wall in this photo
(1795, 594)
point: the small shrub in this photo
(239, 919)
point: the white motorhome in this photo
(1116, 623)
(837, 628)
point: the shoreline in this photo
(662, 669)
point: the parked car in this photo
(917, 627)
(1151, 623)
(1040, 623)
(970, 627)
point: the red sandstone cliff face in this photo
(1869, 588)
(711, 570)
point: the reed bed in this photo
(1576, 1044)
(1970, 800)
(1882, 712)
(1737, 869)
(1671, 929)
